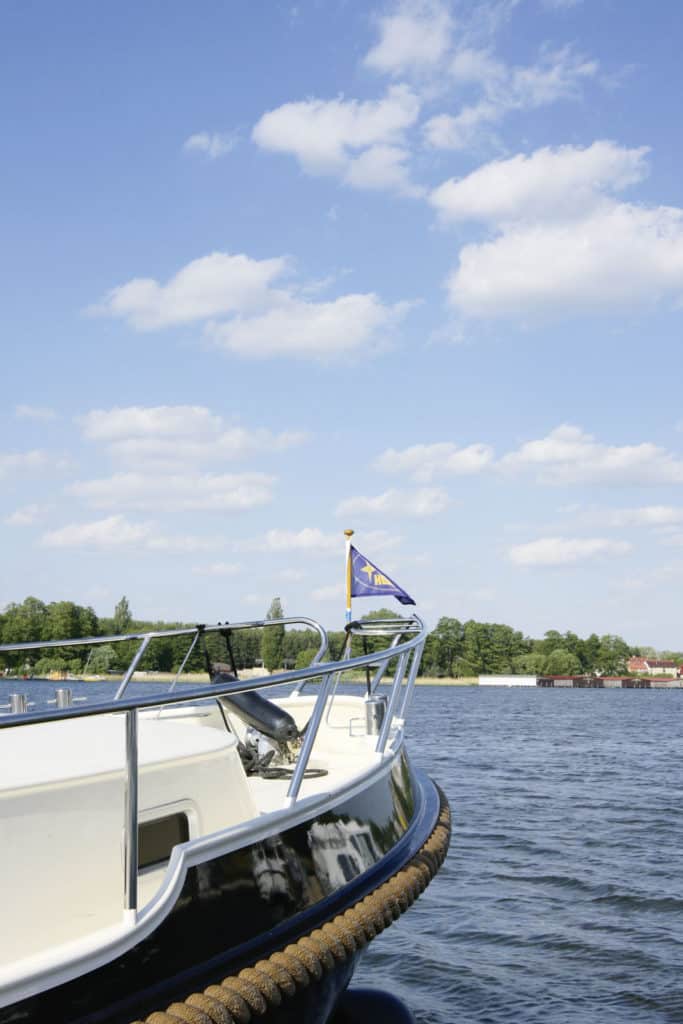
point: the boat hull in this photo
(246, 907)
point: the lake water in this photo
(561, 900)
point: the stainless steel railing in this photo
(407, 654)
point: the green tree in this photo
(591, 653)
(613, 655)
(24, 623)
(444, 647)
(530, 664)
(122, 617)
(272, 643)
(562, 662)
(63, 620)
(101, 659)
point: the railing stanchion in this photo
(130, 824)
(309, 738)
(412, 676)
(131, 668)
(393, 701)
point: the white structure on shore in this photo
(508, 680)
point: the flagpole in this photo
(348, 534)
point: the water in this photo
(561, 900)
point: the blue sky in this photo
(274, 269)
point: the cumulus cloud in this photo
(186, 491)
(170, 434)
(116, 532)
(425, 461)
(320, 330)
(618, 257)
(416, 37)
(220, 283)
(245, 314)
(557, 551)
(211, 144)
(361, 142)
(419, 504)
(562, 242)
(549, 184)
(567, 455)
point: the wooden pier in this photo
(610, 682)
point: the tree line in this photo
(453, 648)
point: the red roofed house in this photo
(654, 666)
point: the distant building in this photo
(654, 666)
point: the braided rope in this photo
(239, 998)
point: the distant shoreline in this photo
(201, 677)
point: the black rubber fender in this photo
(261, 714)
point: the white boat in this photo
(208, 853)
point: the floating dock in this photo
(587, 682)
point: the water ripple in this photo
(561, 901)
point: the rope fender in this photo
(241, 997)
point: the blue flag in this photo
(369, 581)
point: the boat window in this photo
(157, 838)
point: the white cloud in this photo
(567, 455)
(172, 434)
(554, 551)
(556, 75)
(416, 37)
(216, 569)
(550, 184)
(35, 412)
(648, 515)
(212, 285)
(311, 538)
(361, 142)
(193, 491)
(113, 532)
(425, 461)
(618, 257)
(172, 421)
(212, 144)
(381, 167)
(320, 330)
(307, 539)
(564, 244)
(26, 516)
(116, 532)
(262, 320)
(421, 503)
(31, 461)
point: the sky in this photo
(272, 270)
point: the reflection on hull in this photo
(237, 909)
